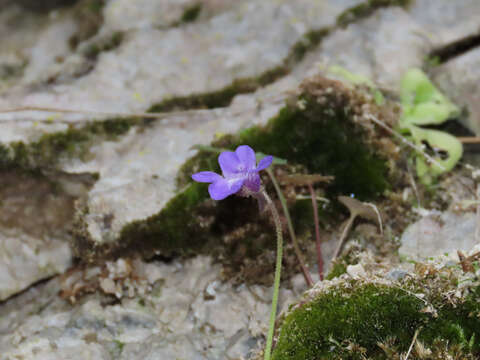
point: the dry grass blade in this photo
(404, 140)
(411, 344)
(150, 115)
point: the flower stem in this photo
(276, 282)
(317, 231)
(296, 248)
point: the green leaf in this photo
(426, 114)
(439, 141)
(422, 102)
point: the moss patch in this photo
(366, 9)
(12, 71)
(346, 319)
(89, 17)
(337, 269)
(106, 44)
(168, 225)
(49, 149)
(324, 328)
(358, 320)
(191, 13)
(222, 97)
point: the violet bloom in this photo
(240, 173)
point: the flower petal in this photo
(229, 163)
(264, 163)
(253, 181)
(222, 188)
(206, 176)
(246, 155)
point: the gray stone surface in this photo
(460, 79)
(153, 64)
(439, 19)
(125, 15)
(375, 47)
(382, 47)
(179, 311)
(440, 234)
(35, 221)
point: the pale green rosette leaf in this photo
(422, 102)
(438, 141)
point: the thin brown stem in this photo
(317, 231)
(469, 139)
(296, 247)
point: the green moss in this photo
(308, 42)
(89, 17)
(95, 6)
(9, 71)
(456, 324)
(191, 13)
(364, 316)
(108, 44)
(366, 9)
(222, 97)
(338, 268)
(432, 61)
(117, 348)
(325, 143)
(50, 148)
(175, 227)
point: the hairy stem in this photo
(317, 231)
(276, 282)
(296, 247)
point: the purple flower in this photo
(240, 172)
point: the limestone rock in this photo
(176, 318)
(459, 79)
(435, 235)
